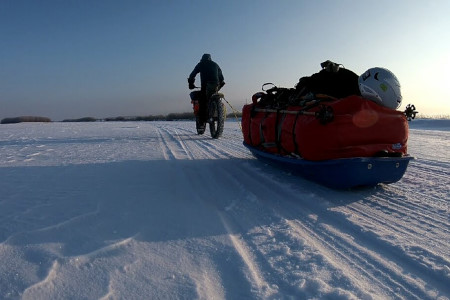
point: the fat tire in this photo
(200, 127)
(217, 114)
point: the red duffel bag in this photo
(359, 128)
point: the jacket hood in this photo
(206, 56)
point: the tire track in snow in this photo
(224, 147)
(202, 146)
(277, 237)
(405, 236)
(172, 145)
(194, 144)
(400, 217)
(206, 194)
(426, 167)
(196, 149)
(420, 200)
(393, 259)
(210, 150)
(424, 190)
(242, 248)
(368, 246)
(409, 267)
(364, 264)
(239, 215)
(416, 204)
(303, 236)
(221, 149)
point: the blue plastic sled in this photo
(341, 173)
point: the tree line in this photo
(169, 117)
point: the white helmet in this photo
(381, 86)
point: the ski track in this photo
(295, 239)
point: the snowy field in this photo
(150, 210)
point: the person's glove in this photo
(191, 86)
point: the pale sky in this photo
(70, 59)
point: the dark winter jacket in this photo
(209, 71)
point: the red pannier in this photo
(360, 128)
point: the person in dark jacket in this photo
(211, 79)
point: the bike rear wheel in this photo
(217, 114)
(201, 127)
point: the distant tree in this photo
(115, 119)
(234, 115)
(25, 119)
(180, 116)
(85, 119)
(151, 118)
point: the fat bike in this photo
(216, 114)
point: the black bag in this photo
(333, 80)
(195, 95)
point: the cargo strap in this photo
(294, 135)
(324, 114)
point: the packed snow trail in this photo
(150, 210)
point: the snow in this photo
(150, 210)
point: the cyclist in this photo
(211, 78)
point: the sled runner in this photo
(341, 173)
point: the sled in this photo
(341, 173)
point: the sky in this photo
(72, 59)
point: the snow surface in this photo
(150, 210)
